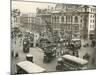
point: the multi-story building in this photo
(75, 19)
(32, 23)
(68, 19)
(88, 21)
(92, 22)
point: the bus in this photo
(71, 63)
(77, 43)
(27, 67)
(26, 45)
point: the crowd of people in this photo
(60, 48)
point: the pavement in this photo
(38, 56)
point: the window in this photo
(31, 19)
(76, 28)
(62, 19)
(93, 21)
(71, 18)
(76, 19)
(66, 18)
(81, 26)
(91, 16)
(91, 10)
(90, 21)
(28, 20)
(90, 26)
(57, 18)
(81, 20)
(53, 18)
(68, 27)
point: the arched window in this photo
(57, 18)
(76, 19)
(54, 19)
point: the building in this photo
(88, 21)
(61, 20)
(68, 20)
(31, 22)
(77, 20)
(92, 22)
(15, 18)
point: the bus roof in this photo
(75, 39)
(75, 59)
(30, 67)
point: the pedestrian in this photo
(93, 61)
(62, 52)
(15, 41)
(58, 52)
(91, 43)
(12, 53)
(86, 56)
(54, 50)
(94, 43)
(16, 55)
(20, 41)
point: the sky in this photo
(30, 7)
